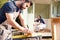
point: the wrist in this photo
(26, 26)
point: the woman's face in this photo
(38, 17)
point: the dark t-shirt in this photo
(8, 7)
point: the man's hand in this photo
(26, 31)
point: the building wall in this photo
(43, 1)
(43, 10)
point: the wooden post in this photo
(55, 33)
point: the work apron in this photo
(5, 29)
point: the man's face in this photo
(25, 5)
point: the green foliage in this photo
(2, 2)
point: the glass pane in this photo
(30, 9)
(58, 9)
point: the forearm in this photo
(21, 18)
(15, 24)
(23, 23)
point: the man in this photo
(8, 13)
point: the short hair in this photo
(39, 16)
(31, 3)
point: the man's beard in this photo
(21, 6)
